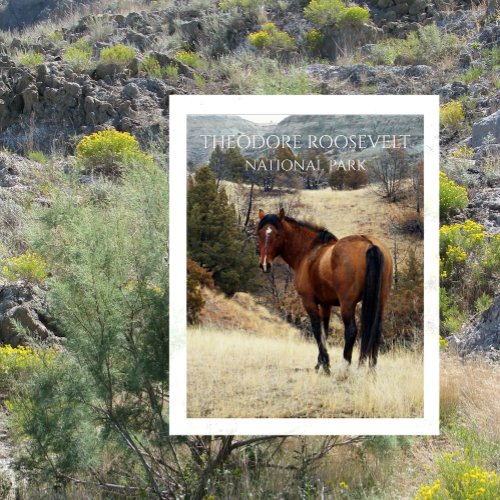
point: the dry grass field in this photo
(235, 374)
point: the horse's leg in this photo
(323, 358)
(324, 312)
(350, 332)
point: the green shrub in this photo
(271, 39)
(355, 16)
(452, 198)
(244, 4)
(119, 54)
(483, 302)
(189, 58)
(325, 12)
(28, 267)
(108, 151)
(473, 74)
(451, 114)
(469, 263)
(314, 40)
(151, 67)
(426, 46)
(30, 59)
(38, 156)
(172, 73)
(79, 55)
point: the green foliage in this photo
(469, 263)
(108, 297)
(473, 74)
(79, 55)
(426, 46)
(119, 54)
(325, 12)
(272, 40)
(28, 267)
(151, 67)
(452, 198)
(214, 238)
(54, 431)
(355, 16)
(483, 302)
(451, 115)
(30, 59)
(189, 58)
(314, 40)
(244, 4)
(39, 157)
(108, 151)
(172, 73)
(227, 164)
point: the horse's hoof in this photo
(343, 371)
(327, 370)
(316, 367)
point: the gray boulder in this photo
(482, 334)
(489, 126)
(19, 306)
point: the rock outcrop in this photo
(482, 334)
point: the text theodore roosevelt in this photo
(294, 142)
(361, 141)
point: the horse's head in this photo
(271, 237)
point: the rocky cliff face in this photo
(16, 14)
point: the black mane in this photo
(324, 236)
(270, 219)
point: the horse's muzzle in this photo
(266, 268)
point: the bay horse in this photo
(332, 272)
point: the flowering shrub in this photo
(119, 54)
(28, 267)
(461, 480)
(463, 152)
(452, 198)
(107, 151)
(469, 263)
(451, 114)
(189, 58)
(443, 343)
(314, 40)
(270, 38)
(18, 361)
(335, 12)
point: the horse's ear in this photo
(261, 214)
(282, 213)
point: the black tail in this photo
(371, 311)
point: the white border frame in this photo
(180, 108)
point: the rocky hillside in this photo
(61, 80)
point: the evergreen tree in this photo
(214, 239)
(227, 164)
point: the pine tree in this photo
(214, 239)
